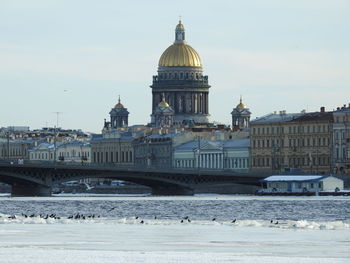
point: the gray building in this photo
(113, 150)
(213, 154)
(341, 140)
(154, 150)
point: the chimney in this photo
(322, 109)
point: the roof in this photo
(315, 116)
(294, 178)
(275, 118)
(75, 143)
(218, 144)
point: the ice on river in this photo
(167, 240)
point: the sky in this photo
(76, 57)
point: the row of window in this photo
(13, 152)
(74, 153)
(304, 142)
(113, 157)
(298, 185)
(342, 118)
(291, 129)
(229, 163)
(292, 161)
(180, 75)
(41, 156)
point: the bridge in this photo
(37, 179)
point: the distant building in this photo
(213, 154)
(42, 152)
(16, 149)
(74, 152)
(341, 140)
(113, 150)
(119, 117)
(292, 141)
(301, 183)
(240, 117)
(154, 150)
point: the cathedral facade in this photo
(181, 81)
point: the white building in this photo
(301, 183)
(75, 151)
(213, 154)
(42, 152)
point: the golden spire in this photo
(240, 105)
(163, 103)
(119, 105)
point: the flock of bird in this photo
(54, 216)
(79, 216)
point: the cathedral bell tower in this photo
(164, 114)
(180, 78)
(119, 116)
(240, 116)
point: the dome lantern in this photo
(180, 33)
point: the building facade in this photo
(341, 140)
(43, 152)
(180, 78)
(299, 141)
(117, 151)
(74, 152)
(154, 151)
(213, 154)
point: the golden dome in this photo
(180, 55)
(240, 105)
(163, 103)
(119, 105)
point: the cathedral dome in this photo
(180, 54)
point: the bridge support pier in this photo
(31, 190)
(171, 190)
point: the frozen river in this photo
(175, 229)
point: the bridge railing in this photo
(118, 166)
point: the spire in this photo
(180, 32)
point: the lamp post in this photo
(8, 144)
(199, 153)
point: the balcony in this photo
(157, 82)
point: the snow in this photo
(292, 178)
(126, 240)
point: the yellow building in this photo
(296, 141)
